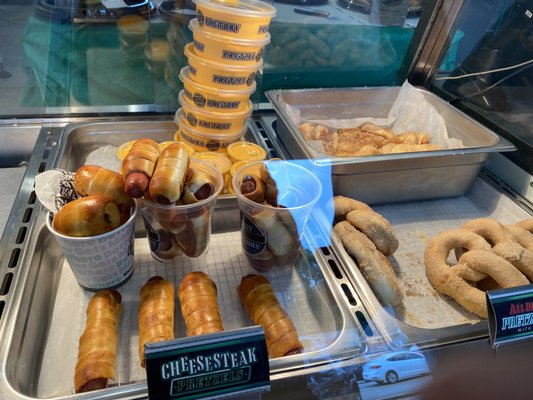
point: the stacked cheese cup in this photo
(223, 60)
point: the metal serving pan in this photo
(389, 177)
(43, 307)
(425, 317)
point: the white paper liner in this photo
(415, 224)
(225, 263)
(410, 112)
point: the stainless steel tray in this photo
(43, 307)
(389, 177)
(425, 317)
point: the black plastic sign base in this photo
(510, 314)
(230, 364)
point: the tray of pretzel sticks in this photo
(385, 144)
(422, 267)
(50, 325)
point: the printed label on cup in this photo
(153, 238)
(254, 240)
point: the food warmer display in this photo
(411, 228)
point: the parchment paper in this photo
(410, 112)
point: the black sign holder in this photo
(510, 314)
(222, 365)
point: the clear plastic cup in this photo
(103, 261)
(183, 229)
(133, 35)
(270, 234)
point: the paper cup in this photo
(181, 229)
(103, 261)
(270, 235)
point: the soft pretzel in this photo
(375, 267)
(447, 280)
(88, 216)
(92, 179)
(156, 313)
(490, 229)
(97, 350)
(198, 298)
(259, 301)
(517, 255)
(138, 166)
(501, 271)
(168, 179)
(504, 243)
(378, 229)
(343, 205)
(527, 224)
(522, 236)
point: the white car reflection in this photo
(392, 367)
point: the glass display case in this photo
(412, 117)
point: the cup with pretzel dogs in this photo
(275, 199)
(94, 226)
(183, 226)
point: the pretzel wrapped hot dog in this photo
(169, 176)
(198, 298)
(87, 216)
(139, 165)
(98, 344)
(92, 179)
(260, 302)
(156, 313)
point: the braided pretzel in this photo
(377, 228)
(527, 224)
(522, 235)
(507, 242)
(343, 205)
(439, 273)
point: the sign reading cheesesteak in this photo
(510, 314)
(230, 363)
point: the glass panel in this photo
(59, 57)
(488, 70)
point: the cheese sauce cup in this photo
(212, 99)
(225, 49)
(246, 151)
(247, 19)
(219, 75)
(214, 122)
(220, 161)
(201, 141)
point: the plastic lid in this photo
(246, 151)
(219, 160)
(184, 77)
(195, 28)
(254, 8)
